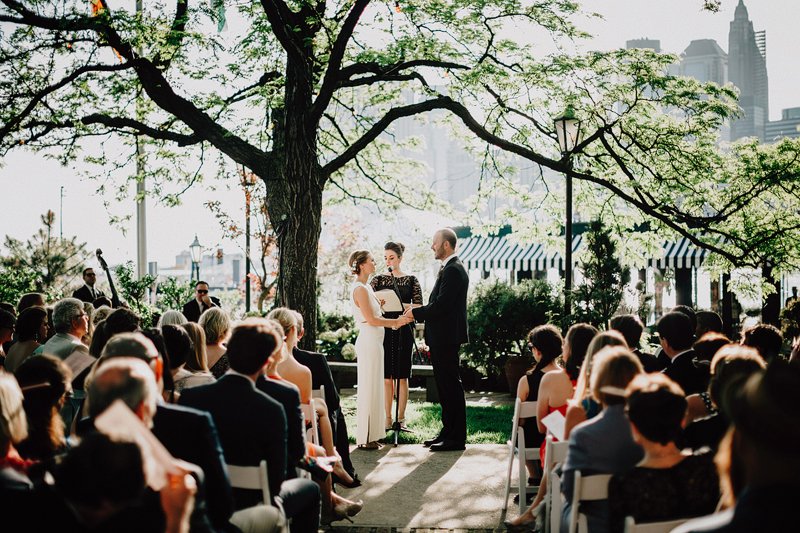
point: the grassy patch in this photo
(485, 424)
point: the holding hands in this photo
(406, 318)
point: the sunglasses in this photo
(201, 291)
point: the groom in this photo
(445, 319)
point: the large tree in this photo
(304, 94)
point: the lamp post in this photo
(568, 130)
(196, 249)
(248, 180)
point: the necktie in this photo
(94, 296)
(440, 272)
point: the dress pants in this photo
(341, 440)
(301, 502)
(451, 392)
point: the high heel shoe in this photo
(349, 509)
(351, 485)
(340, 476)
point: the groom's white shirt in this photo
(448, 259)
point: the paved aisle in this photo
(410, 487)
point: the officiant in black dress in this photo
(397, 344)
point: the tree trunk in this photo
(295, 205)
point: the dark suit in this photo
(252, 427)
(683, 371)
(649, 362)
(191, 310)
(321, 375)
(83, 294)
(446, 330)
(289, 397)
(191, 435)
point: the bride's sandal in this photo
(370, 446)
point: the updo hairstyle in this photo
(357, 258)
(396, 247)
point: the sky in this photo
(31, 184)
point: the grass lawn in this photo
(485, 424)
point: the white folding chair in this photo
(652, 527)
(318, 393)
(516, 448)
(252, 478)
(587, 488)
(555, 452)
(312, 435)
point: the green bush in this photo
(500, 317)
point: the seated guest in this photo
(32, 330)
(707, 322)
(667, 484)
(575, 345)
(198, 360)
(101, 313)
(334, 507)
(171, 318)
(677, 336)
(252, 426)
(45, 382)
(582, 406)
(604, 444)
(180, 350)
(731, 367)
(545, 343)
(663, 358)
(765, 338)
(188, 434)
(13, 430)
(758, 461)
(293, 372)
(321, 376)
(31, 299)
(7, 326)
(168, 384)
(71, 323)
(631, 328)
(216, 324)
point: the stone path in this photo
(410, 489)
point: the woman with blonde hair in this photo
(583, 406)
(198, 361)
(287, 368)
(217, 325)
(13, 430)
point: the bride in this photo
(369, 351)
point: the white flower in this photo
(328, 336)
(349, 352)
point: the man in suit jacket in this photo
(631, 328)
(677, 334)
(321, 376)
(88, 293)
(446, 330)
(252, 426)
(202, 301)
(71, 323)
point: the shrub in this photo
(500, 317)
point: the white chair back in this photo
(252, 478)
(587, 488)
(517, 448)
(652, 527)
(555, 453)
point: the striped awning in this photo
(489, 253)
(679, 254)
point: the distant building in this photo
(645, 43)
(705, 61)
(747, 69)
(787, 126)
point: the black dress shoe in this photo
(429, 443)
(447, 446)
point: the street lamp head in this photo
(196, 249)
(568, 130)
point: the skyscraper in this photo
(747, 69)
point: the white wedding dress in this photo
(369, 357)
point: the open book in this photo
(391, 303)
